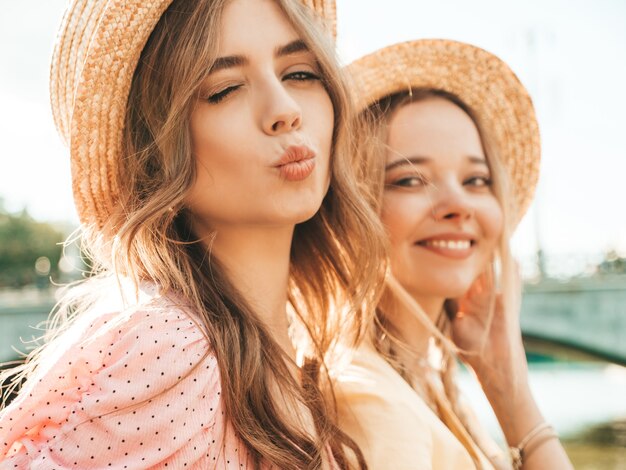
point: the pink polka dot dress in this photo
(128, 390)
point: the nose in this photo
(450, 203)
(280, 112)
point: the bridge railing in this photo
(586, 313)
(21, 314)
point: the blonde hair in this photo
(335, 257)
(373, 126)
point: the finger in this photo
(479, 285)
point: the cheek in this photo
(210, 133)
(217, 152)
(222, 146)
(401, 214)
(317, 130)
(492, 220)
(321, 119)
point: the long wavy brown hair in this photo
(336, 270)
(373, 124)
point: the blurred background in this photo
(570, 54)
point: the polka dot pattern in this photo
(135, 389)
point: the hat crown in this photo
(77, 29)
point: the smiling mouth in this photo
(453, 249)
(448, 244)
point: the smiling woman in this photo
(208, 145)
(450, 163)
(443, 219)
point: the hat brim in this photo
(480, 79)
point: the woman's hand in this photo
(488, 333)
(489, 336)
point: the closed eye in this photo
(220, 95)
(299, 76)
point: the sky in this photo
(570, 54)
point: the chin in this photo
(301, 209)
(450, 292)
(305, 215)
(438, 284)
(291, 215)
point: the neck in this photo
(256, 260)
(411, 330)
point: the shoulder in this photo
(377, 409)
(390, 421)
(130, 385)
(369, 377)
(158, 339)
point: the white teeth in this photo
(449, 244)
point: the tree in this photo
(613, 263)
(23, 241)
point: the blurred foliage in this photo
(612, 264)
(22, 241)
(600, 447)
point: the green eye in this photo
(302, 76)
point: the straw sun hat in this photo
(94, 59)
(480, 79)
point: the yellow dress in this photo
(391, 423)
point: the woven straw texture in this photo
(94, 59)
(480, 79)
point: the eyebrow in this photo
(231, 61)
(228, 62)
(420, 160)
(294, 47)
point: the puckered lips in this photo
(450, 245)
(296, 163)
